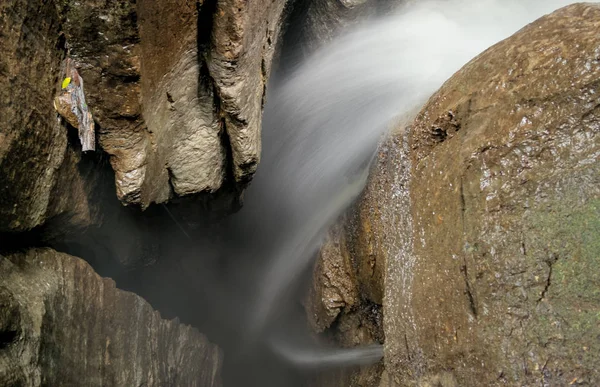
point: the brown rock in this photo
(485, 215)
(175, 86)
(242, 46)
(39, 176)
(103, 40)
(334, 286)
(70, 104)
(178, 101)
(63, 325)
(166, 117)
(341, 306)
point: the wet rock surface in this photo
(62, 325)
(484, 214)
(39, 172)
(507, 205)
(338, 307)
(335, 286)
(363, 241)
(177, 89)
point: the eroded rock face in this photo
(504, 195)
(176, 96)
(61, 325)
(484, 213)
(38, 166)
(177, 88)
(343, 303)
(346, 296)
(242, 47)
(103, 42)
(183, 127)
(344, 286)
(334, 286)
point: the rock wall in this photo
(177, 89)
(341, 306)
(38, 166)
(483, 214)
(63, 325)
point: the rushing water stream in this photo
(321, 128)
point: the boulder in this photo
(484, 215)
(63, 325)
(504, 193)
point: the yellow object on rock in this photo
(66, 82)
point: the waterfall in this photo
(323, 123)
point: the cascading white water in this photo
(322, 125)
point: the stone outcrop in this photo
(102, 39)
(242, 47)
(177, 89)
(345, 290)
(343, 303)
(63, 325)
(335, 286)
(483, 214)
(39, 172)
